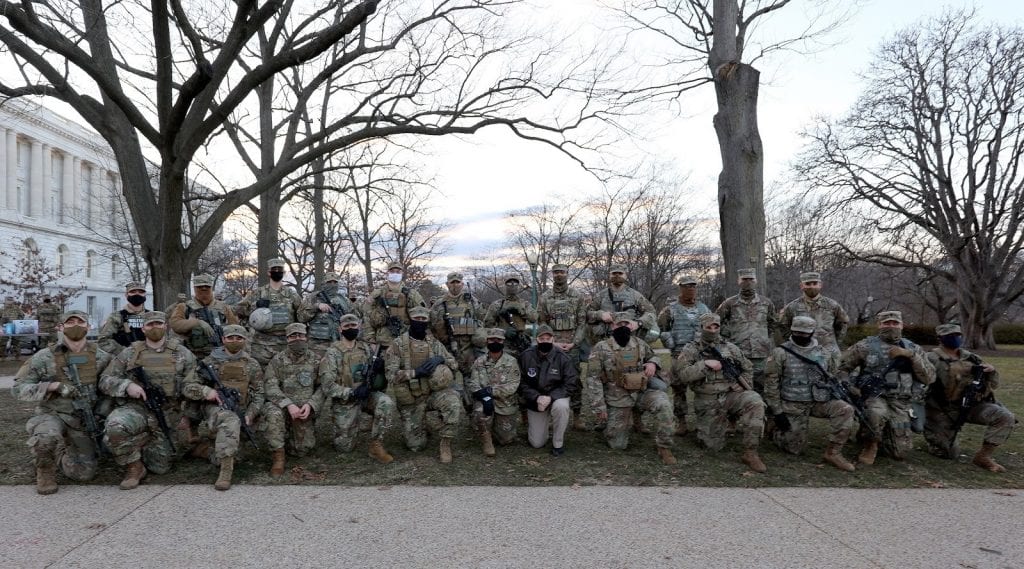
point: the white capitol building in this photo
(59, 198)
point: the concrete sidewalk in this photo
(330, 526)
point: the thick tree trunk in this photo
(976, 325)
(319, 255)
(267, 240)
(741, 182)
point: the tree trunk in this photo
(741, 182)
(977, 327)
(267, 235)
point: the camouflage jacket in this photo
(398, 361)
(785, 373)
(239, 371)
(293, 380)
(11, 312)
(566, 312)
(48, 365)
(466, 313)
(125, 321)
(679, 324)
(498, 314)
(176, 370)
(749, 324)
(283, 303)
(48, 314)
(953, 374)
(343, 368)
(184, 321)
(689, 368)
(626, 300)
(325, 323)
(383, 303)
(502, 376)
(608, 362)
(871, 356)
(830, 316)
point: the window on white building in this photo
(115, 304)
(90, 263)
(113, 267)
(63, 258)
(90, 307)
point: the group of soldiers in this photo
(190, 380)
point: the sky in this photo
(795, 89)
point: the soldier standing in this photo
(512, 314)
(679, 323)
(749, 320)
(48, 314)
(282, 301)
(494, 384)
(182, 298)
(793, 390)
(419, 369)
(456, 321)
(321, 311)
(956, 371)
(547, 383)
(386, 312)
(236, 369)
(830, 316)
(66, 405)
(564, 309)
(125, 326)
(893, 370)
(619, 297)
(294, 397)
(199, 322)
(721, 385)
(132, 433)
(621, 369)
(350, 384)
(10, 313)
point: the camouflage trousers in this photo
(758, 369)
(889, 420)
(653, 402)
(467, 354)
(62, 439)
(713, 411)
(264, 347)
(502, 427)
(346, 420)
(15, 349)
(941, 438)
(281, 431)
(838, 413)
(438, 412)
(132, 433)
(225, 428)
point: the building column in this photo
(46, 174)
(35, 181)
(67, 188)
(99, 198)
(12, 169)
(3, 167)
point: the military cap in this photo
(134, 285)
(617, 268)
(154, 316)
(560, 267)
(396, 265)
(332, 277)
(887, 315)
(623, 317)
(202, 280)
(686, 280)
(544, 329)
(74, 314)
(747, 273)
(274, 263)
(235, 330)
(810, 276)
(294, 328)
(348, 319)
(495, 333)
(419, 312)
(803, 324)
(710, 318)
(454, 277)
(947, 329)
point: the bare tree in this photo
(27, 276)
(934, 145)
(552, 231)
(411, 236)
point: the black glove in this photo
(484, 396)
(263, 303)
(782, 423)
(361, 392)
(427, 368)
(513, 312)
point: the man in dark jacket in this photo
(549, 380)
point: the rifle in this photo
(839, 390)
(971, 396)
(518, 341)
(205, 314)
(82, 403)
(156, 397)
(393, 323)
(449, 328)
(333, 315)
(730, 368)
(231, 399)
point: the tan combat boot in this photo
(378, 453)
(665, 454)
(983, 458)
(752, 460)
(136, 472)
(227, 468)
(577, 421)
(834, 456)
(46, 478)
(868, 453)
(488, 444)
(277, 464)
(446, 450)
(681, 426)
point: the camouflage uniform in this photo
(48, 314)
(57, 429)
(388, 302)
(123, 327)
(889, 414)
(466, 316)
(10, 313)
(291, 379)
(181, 299)
(341, 370)
(830, 316)
(283, 304)
(617, 385)
(132, 432)
(512, 314)
(239, 371)
(679, 324)
(952, 376)
(188, 324)
(624, 300)
(323, 326)
(428, 400)
(750, 323)
(502, 376)
(565, 310)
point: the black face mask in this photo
(545, 347)
(350, 333)
(276, 276)
(47, 301)
(622, 335)
(495, 347)
(418, 329)
(802, 340)
(136, 299)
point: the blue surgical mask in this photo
(952, 341)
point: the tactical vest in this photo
(685, 323)
(353, 366)
(84, 362)
(281, 311)
(897, 385)
(414, 353)
(197, 340)
(232, 374)
(132, 323)
(622, 301)
(629, 370)
(796, 384)
(161, 367)
(562, 315)
(461, 314)
(517, 319)
(397, 303)
(324, 326)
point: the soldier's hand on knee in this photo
(650, 369)
(294, 412)
(305, 411)
(542, 402)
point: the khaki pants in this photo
(537, 424)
